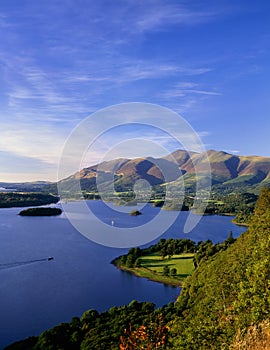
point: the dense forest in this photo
(229, 292)
(225, 304)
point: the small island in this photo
(41, 211)
(135, 213)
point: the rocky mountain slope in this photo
(226, 170)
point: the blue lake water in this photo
(37, 294)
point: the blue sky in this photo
(61, 60)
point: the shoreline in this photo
(240, 223)
(66, 201)
(143, 272)
(152, 277)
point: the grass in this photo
(214, 201)
(152, 268)
(182, 262)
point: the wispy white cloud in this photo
(21, 162)
(33, 91)
(43, 143)
(232, 151)
(157, 15)
(126, 71)
(203, 92)
(183, 89)
(144, 70)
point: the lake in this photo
(37, 293)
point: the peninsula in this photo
(170, 261)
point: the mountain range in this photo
(227, 171)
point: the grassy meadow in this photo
(152, 268)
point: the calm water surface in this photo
(37, 294)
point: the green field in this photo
(182, 262)
(152, 268)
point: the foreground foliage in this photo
(125, 325)
(228, 292)
(152, 336)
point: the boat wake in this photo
(21, 263)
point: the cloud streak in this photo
(188, 88)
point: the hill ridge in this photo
(226, 170)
